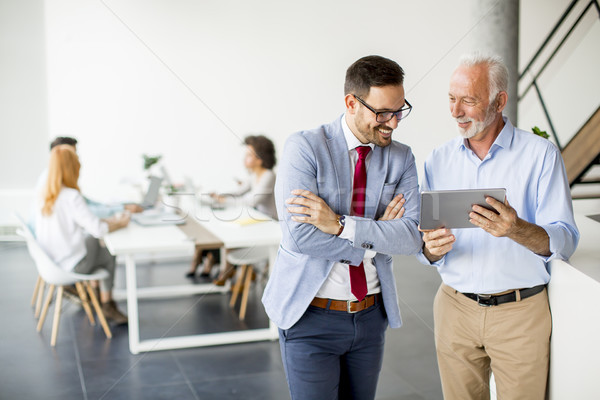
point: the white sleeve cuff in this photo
(349, 230)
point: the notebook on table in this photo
(157, 217)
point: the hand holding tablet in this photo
(450, 208)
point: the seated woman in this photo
(68, 231)
(255, 192)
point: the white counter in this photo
(587, 256)
(574, 293)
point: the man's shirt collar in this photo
(351, 140)
(503, 140)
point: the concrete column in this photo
(497, 32)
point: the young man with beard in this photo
(491, 312)
(347, 199)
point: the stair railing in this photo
(533, 84)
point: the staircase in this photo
(582, 153)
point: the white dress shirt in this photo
(62, 233)
(337, 284)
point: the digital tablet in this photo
(450, 208)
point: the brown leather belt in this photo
(347, 305)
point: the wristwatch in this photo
(341, 220)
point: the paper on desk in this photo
(247, 221)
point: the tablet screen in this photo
(450, 208)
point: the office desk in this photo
(210, 228)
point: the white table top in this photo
(148, 239)
(239, 226)
(234, 226)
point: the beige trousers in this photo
(511, 339)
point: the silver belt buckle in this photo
(348, 302)
(484, 297)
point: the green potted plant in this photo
(540, 132)
(149, 161)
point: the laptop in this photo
(151, 196)
(166, 177)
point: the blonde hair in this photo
(63, 170)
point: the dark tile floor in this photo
(86, 365)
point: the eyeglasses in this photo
(385, 116)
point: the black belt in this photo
(488, 300)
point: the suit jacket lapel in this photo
(338, 151)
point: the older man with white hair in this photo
(491, 312)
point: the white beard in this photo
(476, 126)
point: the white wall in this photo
(23, 103)
(190, 79)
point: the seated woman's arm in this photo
(116, 222)
(262, 192)
(92, 224)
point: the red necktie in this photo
(358, 280)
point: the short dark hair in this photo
(372, 71)
(264, 149)
(63, 140)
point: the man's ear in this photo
(351, 104)
(501, 101)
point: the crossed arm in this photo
(316, 212)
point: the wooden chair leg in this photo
(40, 296)
(247, 283)
(57, 306)
(85, 303)
(38, 282)
(45, 308)
(98, 309)
(238, 286)
(264, 275)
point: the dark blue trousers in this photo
(333, 354)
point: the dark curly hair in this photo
(264, 149)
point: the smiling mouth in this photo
(463, 124)
(385, 132)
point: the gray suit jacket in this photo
(318, 160)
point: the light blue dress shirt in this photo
(532, 171)
(102, 210)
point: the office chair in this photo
(248, 258)
(55, 276)
(38, 290)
